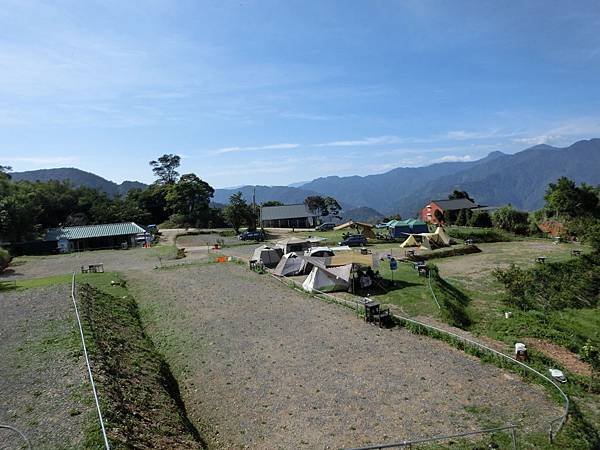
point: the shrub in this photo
(480, 219)
(5, 259)
(554, 286)
(478, 234)
(509, 219)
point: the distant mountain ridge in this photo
(519, 179)
(78, 178)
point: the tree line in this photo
(28, 208)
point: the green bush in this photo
(5, 259)
(478, 234)
(553, 286)
(509, 219)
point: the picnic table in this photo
(374, 313)
(576, 252)
(540, 259)
(93, 268)
(409, 253)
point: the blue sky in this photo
(274, 92)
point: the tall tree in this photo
(459, 194)
(165, 168)
(190, 196)
(324, 206)
(237, 212)
(565, 199)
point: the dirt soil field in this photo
(28, 267)
(263, 366)
(43, 383)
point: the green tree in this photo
(272, 203)
(480, 219)
(166, 168)
(509, 219)
(459, 194)
(324, 206)
(236, 213)
(565, 199)
(190, 196)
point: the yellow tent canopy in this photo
(410, 242)
(367, 228)
(443, 235)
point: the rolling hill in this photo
(78, 178)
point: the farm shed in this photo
(90, 237)
(287, 216)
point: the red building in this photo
(444, 206)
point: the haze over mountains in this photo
(519, 179)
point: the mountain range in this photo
(78, 178)
(498, 179)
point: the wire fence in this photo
(89, 367)
(511, 429)
(20, 433)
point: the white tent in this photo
(290, 264)
(410, 242)
(267, 255)
(293, 244)
(328, 279)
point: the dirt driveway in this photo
(263, 366)
(43, 385)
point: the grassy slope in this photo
(140, 397)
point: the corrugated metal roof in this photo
(93, 231)
(452, 205)
(285, 212)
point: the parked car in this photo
(252, 236)
(354, 240)
(326, 226)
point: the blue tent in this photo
(402, 228)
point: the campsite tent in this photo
(402, 228)
(329, 279)
(410, 242)
(293, 244)
(443, 235)
(290, 264)
(366, 229)
(430, 241)
(267, 255)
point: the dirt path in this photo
(263, 366)
(43, 385)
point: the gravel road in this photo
(263, 366)
(43, 385)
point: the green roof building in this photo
(93, 237)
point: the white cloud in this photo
(455, 158)
(283, 146)
(378, 140)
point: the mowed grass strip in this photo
(139, 395)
